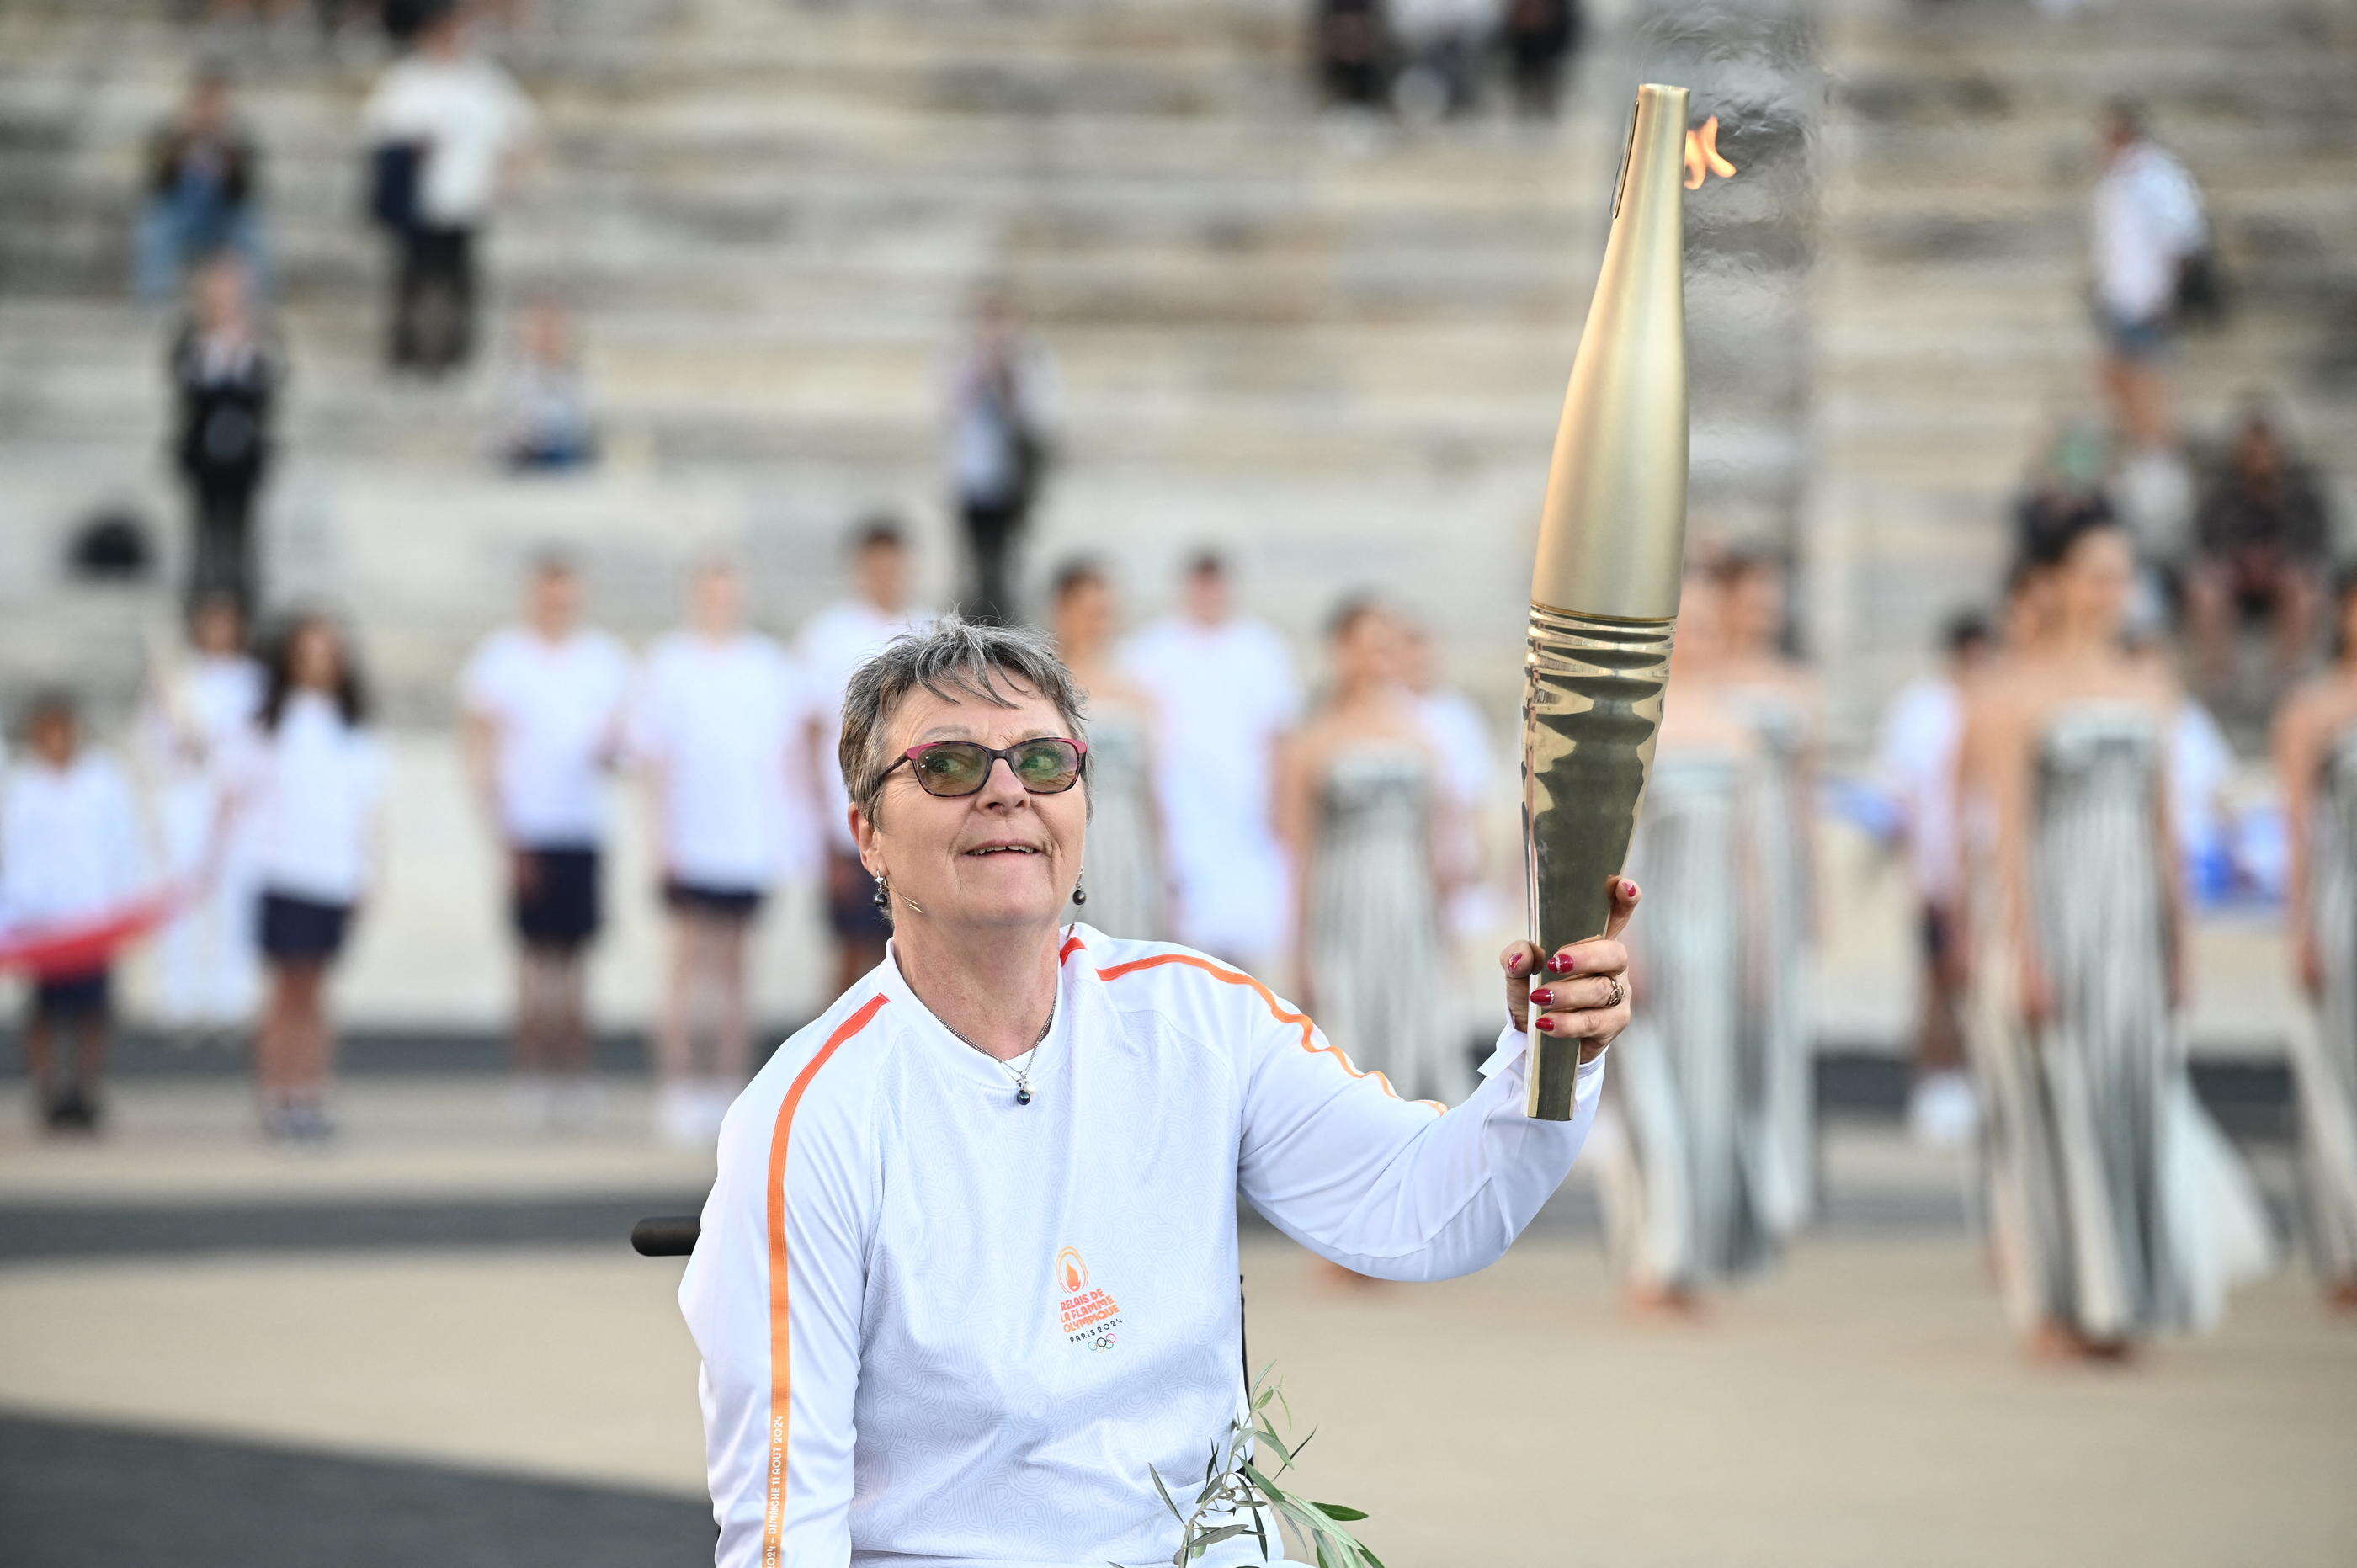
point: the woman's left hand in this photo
(1582, 993)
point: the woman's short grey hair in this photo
(956, 660)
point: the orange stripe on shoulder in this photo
(1276, 1009)
(782, 1347)
(1072, 945)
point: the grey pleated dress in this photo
(2325, 1055)
(1684, 1135)
(1777, 1034)
(2118, 1207)
(1123, 867)
(1374, 943)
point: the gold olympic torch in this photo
(1604, 592)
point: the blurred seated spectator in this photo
(225, 375)
(1442, 43)
(2261, 539)
(1540, 38)
(545, 419)
(203, 191)
(1350, 47)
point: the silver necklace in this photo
(1022, 1076)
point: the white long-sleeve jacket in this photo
(941, 1327)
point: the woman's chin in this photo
(1027, 898)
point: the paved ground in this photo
(430, 1348)
(1864, 1408)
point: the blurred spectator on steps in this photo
(203, 192)
(2261, 540)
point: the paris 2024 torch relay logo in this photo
(1088, 1316)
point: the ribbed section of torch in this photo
(1591, 707)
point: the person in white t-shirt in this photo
(966, 1286)
(198, 710)
(722, 725)
(837, 642)
(469, 127)
(1224, 686)
(2146, 223)
(541, 710)
(314, 782)
(71, 849)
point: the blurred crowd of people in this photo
(1339, 835)
(1436, 60)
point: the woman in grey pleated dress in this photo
(2316, 757)
(1778, 698)
(1123, 867)
(2134, 1215)
(1683, 1126)
(1359, 803)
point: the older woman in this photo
(963, 1280)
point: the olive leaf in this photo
(1234, 1485)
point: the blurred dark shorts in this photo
(1938, 931)
(302, 931)
(2139, 342)
(560, 910)
(712, 903)
(65, 996)
(851, 911)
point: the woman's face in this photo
(1000, 856)
(315, 661)
(1084, 615)
(1366, 651)
(217, 628)
(2091, 588)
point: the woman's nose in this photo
(999, 784)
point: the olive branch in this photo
(1234, 1485)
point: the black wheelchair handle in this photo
(666, 1235)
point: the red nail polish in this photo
(1542, 997)
(1563, 963)
(1543, 1023)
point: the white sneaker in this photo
(1944, 1112)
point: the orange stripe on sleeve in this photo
(781, 1348)
(1233, 977)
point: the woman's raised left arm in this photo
(1401, 1190)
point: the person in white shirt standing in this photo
(2145, 224)
(198, 707)
(467, 126)
(966, 1292)
(315, 779)
(542, 705)
(69, 850)
(722, 725)
(1916, 760)
(837, 642)
(1224, 686)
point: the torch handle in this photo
(1591, 708)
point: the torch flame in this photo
(1701, 155)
